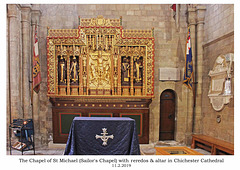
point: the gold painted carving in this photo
(74, 70)
(99, 21)
(100, 69)
(63, 33)
(51, 67)
(99, 57)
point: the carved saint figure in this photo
(137, 70)
(74, 71)
(125, 71)
(62, 70)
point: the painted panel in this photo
(138, 117)
(66, 121)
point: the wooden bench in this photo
(213, 145)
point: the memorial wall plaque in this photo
(169, 74)
(220, 85)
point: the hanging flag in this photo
(188, 73)
(173, 7)
(36, 64)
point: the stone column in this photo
(35, 17)
(199, 69)
(190, 110)
(14, 36)
(26, 56)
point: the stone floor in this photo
(145, 149)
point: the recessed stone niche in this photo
(221, 81)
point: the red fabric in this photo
(173, 7)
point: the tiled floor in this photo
(58, 149)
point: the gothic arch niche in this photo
(167, 115)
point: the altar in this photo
(102, 136)
(100, 70)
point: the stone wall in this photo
(219, 39)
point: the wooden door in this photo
(167, 115)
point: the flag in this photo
(173, 7)
(188, 73)
(36, 64)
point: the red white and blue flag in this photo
(188, 73)
(36, 64)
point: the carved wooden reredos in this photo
(100, 58)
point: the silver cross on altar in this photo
(104, 136)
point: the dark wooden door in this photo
(167, 115)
